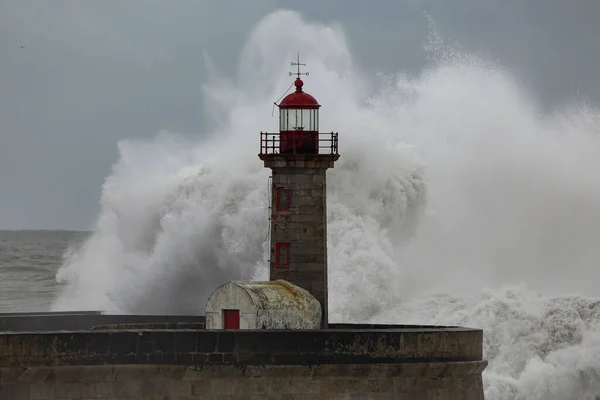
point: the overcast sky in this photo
(93, 72)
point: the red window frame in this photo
(278, 248)
(279, 191)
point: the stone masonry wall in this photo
(304, 227)
(244, 347)
(420, 381)
(417, 363)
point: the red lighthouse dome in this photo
(299, 99)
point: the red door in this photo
(231, 319)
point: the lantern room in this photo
(299, 111)
(299, 122)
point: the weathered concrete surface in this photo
(244, 347)
(414, 381)
(264, 305)
(83, 320)
(344, 362)
(304, 225)
(152, 326)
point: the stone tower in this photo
(299, 157)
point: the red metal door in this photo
(231, 319)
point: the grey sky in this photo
(94, 72)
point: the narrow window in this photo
(284, 198)
(283, 118)
(306, 118)
(282, 255)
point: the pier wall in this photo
(344, 362)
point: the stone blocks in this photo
(358, 381)
(304, 225)
(248, 347)
(343, 362)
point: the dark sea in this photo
(28, 264)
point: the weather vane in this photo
(298, 64)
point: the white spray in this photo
(455, 201)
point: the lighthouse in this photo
(299, 156)
(295, 296)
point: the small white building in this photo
(262, 305)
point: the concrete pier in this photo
(150, 360)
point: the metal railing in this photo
(299, 143)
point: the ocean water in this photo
(457, 200)
(29, 261)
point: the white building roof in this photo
(278, 294)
